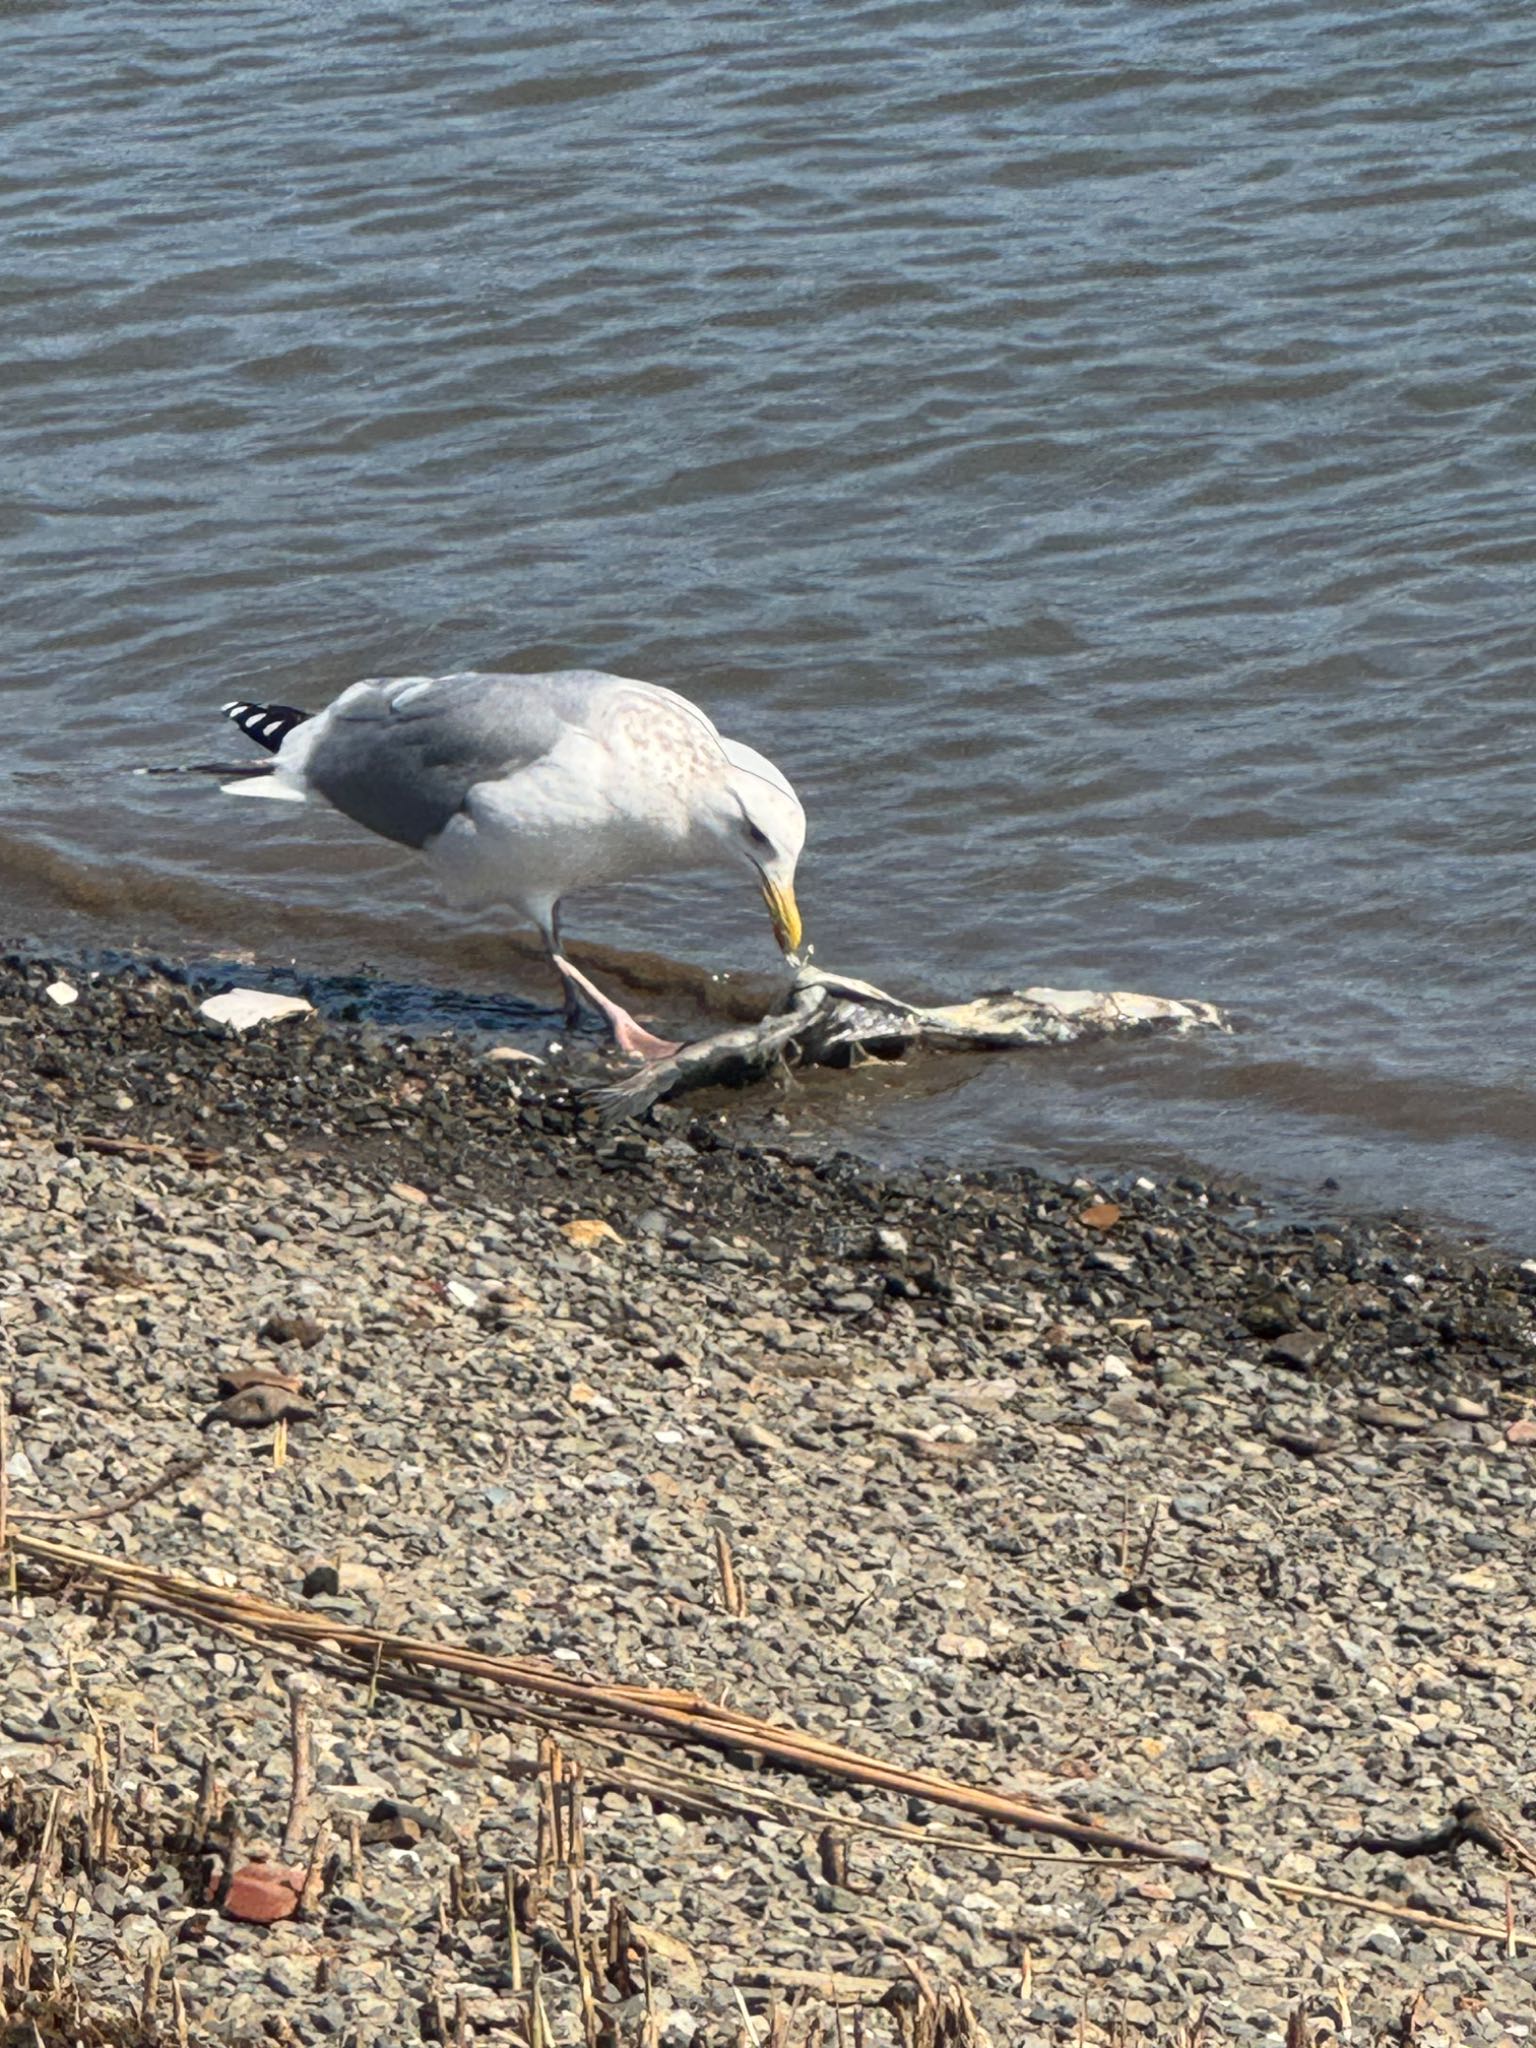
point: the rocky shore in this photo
(1115, 1498)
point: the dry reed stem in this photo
(538, 2030)
(202, 1812)
(583, 1972)
(552, 1759)
(314, 1876)
(72, 1938)
(731, 1594)
(709, 1791)
(44, 1854)
(1151, 1538)
(576, 1838)
(837, 1987)
(514, 1945)
(174, 1473)
(5, 1477)
(832, 1849)
(100, 1830)
(1362, 1902)
(582, 1703)
(746, 2017)
(234, 1853)
(153, 1966)
(547, 1850)
(597, 1710)
(301, 1768)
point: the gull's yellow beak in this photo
(785, 912)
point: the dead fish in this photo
(833, 1020)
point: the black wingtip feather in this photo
(268, 724)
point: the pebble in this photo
(1462, 1408)
(1303, 1349)
(244, 1008)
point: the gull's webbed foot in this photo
(628, 1036)
(633, 1038)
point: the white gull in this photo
(519, 789)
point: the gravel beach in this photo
(1123, 1500)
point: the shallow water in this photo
(1090, 448)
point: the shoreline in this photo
(1100, 1496)
(480, 1018)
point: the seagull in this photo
(521, 788)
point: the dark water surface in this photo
(1090, 446)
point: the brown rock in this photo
(1300, 1349)
(301, 1330)
(1382, 1415)
(1301, 1443)
(236, 1381)
(401, 1833)
(586, 1231)
(1269, 1312)
(260, 1406)
(1522, 1431)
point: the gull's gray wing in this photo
(401, 756)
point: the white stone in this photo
(243, 1007)
(62, 993)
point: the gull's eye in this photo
(757, 838)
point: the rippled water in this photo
(1090, 447)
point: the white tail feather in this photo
(267, 786)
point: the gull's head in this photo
(760, 821)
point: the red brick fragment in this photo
(263, 1892)
(1101, 1215)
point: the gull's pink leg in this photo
(628, 1036)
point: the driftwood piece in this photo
(831, 1019)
